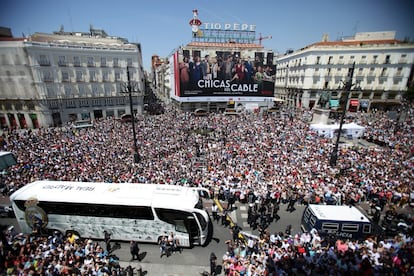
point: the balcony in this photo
(62, 63)
(44, 63)
(47, 79)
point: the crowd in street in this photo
(267, 155)
(56, 255)
(309, 254)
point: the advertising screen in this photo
(222, 74)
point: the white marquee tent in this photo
(351, 130)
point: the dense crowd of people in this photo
(309, 254)
(267, 155)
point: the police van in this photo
(339, 221)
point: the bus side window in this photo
(346, 227)
(366, 228)
(330, 227)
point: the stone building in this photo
(53, 79)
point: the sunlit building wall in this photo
(382, 71)
(52, 79)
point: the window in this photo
(82, 91)
(347, 227)
(129, 62)
(366, 228)
(103, 61)
(171, 216)
(399, 71)
(108, 91)
(91, 62)
(387, 59)
(374, 59)
(384, 72)
(94, 210)
(105, 76)
(117, 76)
(95, 89)
(79, 76)
(318, 59)
(92, 76)
(76, 61)
(65, 76)
(328, 227)
(341, 60)
(51, 93)
(116, 62)
(330, 59)
(203, 222)
(68, 91)
(47, 76)
(312, 221)
(62, 61)
(43, 60)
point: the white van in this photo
(340, 221)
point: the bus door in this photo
(193, 229)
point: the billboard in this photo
(222, 74)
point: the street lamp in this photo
(347, 89)
(128, 88)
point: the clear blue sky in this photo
(161, 26)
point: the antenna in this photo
(70, 20)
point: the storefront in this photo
(353, 105)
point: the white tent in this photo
(351, 130)
(324, 129)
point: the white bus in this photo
(141, 212)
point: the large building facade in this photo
(224, 66)
(383, 68)
(52, 79)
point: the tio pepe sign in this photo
(229, 26)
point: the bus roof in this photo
(338, 212)
(156, 195)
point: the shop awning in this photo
(334, 103)
(354, 102)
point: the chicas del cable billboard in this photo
(222, 74)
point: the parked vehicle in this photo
(338, 221)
